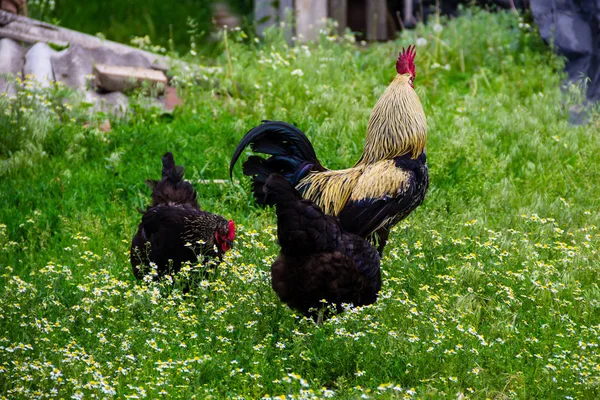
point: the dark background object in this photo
(412, 11)
(573, 28)
(405, 14)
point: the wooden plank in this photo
(376, 20)
(32, 31)
(114, 78)
(371, 16)
(338, 10)
(382, 33)
(286, 14)
(311, 16)
(286, 7)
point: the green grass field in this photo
(168, 24)
(490, 287)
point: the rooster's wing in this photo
(386, 193)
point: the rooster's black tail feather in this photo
(291, 155)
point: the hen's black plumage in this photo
(318, 259)
(174, 229)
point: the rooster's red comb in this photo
(406, 61)
(231, 233)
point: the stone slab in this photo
(114, 103)
(72, 66)
(115, 78)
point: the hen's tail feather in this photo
(293, 170)
(291, 155)
(172, 189)
(171, 171)
(279, 190)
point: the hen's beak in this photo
(226, 245)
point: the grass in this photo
(491, 286)
(166, 24)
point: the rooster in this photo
(318, 259)
(388, 182)
(174, 229)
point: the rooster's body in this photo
(318, 259)
(388, 182)
(174, 229)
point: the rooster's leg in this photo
(382, 237)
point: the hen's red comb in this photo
(406, 61)
(231, 234)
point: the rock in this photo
(115, 78)
(11, 62)
(72, 66)
(105, 126)
(11, 57)
(14, 6)
(172, 100)
(102, 55)
(115, 103)
(38, 64)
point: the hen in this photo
(387, 183)
(174, 229)
(318, 259)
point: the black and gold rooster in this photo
(174, 229)
(387, 183)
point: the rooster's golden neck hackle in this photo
(397, 125)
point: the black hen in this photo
(174, 229)
(318, 259)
